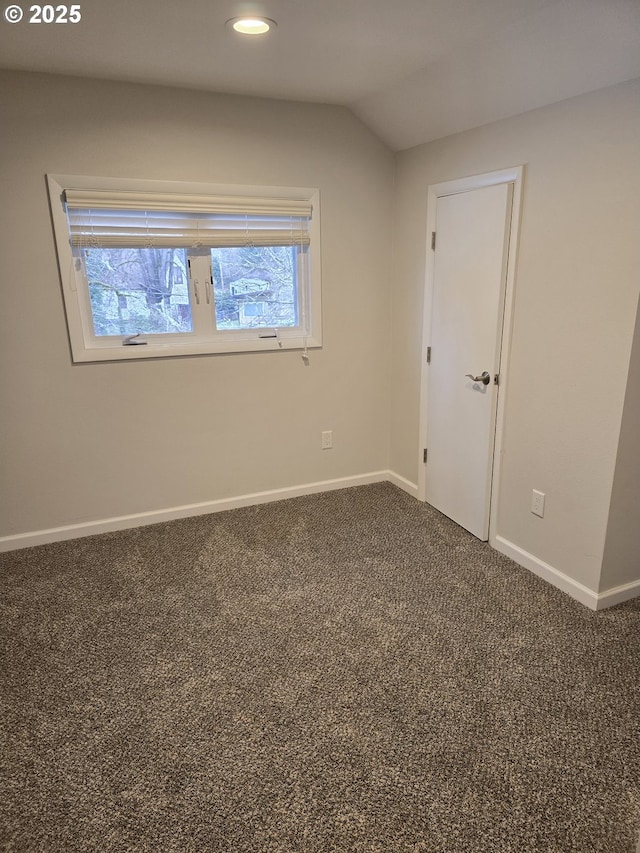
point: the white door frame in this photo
(514, 176)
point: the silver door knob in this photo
(484, 377)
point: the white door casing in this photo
(467, 322)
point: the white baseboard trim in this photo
(590, 598)
(543, 570)
(581, 593)
(618, 594)
(124, 522)
(403, 483)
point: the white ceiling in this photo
(413, 70)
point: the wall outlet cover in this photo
(537, 503)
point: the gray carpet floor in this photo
(345, 672)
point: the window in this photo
(155, 269)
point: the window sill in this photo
(191, 348)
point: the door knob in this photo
(484, 377)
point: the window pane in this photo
(255, 286)
(138, 290)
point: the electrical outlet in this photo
(537, 503)
(327, 439)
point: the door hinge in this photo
(433, 241)
(428, 355)
(424, 455)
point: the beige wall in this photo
(576, 294)
(621, 564)
(89, 442)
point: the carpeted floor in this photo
(343, 673)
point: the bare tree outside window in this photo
(138, 290)
(146, 290)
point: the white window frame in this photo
(205, 338)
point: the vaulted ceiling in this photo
(412, 70)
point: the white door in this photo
(470, 263)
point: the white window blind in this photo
(113, 219)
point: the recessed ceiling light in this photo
(254, 26)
